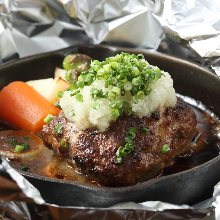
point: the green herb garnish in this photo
(63, 143)
(60, 94)
(79, 97)
(124, 74)
(165, 149)
(21, 147)
(58, 129)
(144, 130)
(13, 141)
(48, 118)
(96, 105)
(128, 146)
(25, 168)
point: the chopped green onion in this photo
(135, 71)
(57, 104)
(58, 129)
(13, 141)
(128, 86)
(140, 95)
(89, 79)
(73, 113)
(96, 105)
(107, 68)
(165, 149)
(101, 72)
(63, 143)
(74, 92)
(116, 90)
(114, 65)
(128, 140)
(25, 168)
(128, 147)
(80, 84)
(115, 113)
(136, 81)
(132, 133)
(144, 130)
(19, 148)
(48, 118)
(79, 97)
(112, 96)
(26, 146)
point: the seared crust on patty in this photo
(94, 152)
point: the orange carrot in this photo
(23, 107)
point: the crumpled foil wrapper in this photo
(196, 24)
(29, 205)
(187, 29)
(183, 28)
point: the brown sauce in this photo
(206, 144)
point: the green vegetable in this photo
(124, 74)
(79, 97)
(144, 130)
(60, 94)
(96, 105)
(57, 104)
(13, 141)
(63, 143)
(25, 168)
(128, 147)
(165, 149)
(78, 62)
(58, 129)
(68, 63)
(115, 113)
(20, 148)
(73, 113)
(48, 118)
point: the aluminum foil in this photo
(39, 26)
(183, 28)
(30, 27)
(32, 205)
(197, 24)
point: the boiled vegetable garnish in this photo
(19, 144)
(49, 88)
(23, 107)
(74, 64)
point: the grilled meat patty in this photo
(94, 152)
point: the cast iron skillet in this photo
(189, 186)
